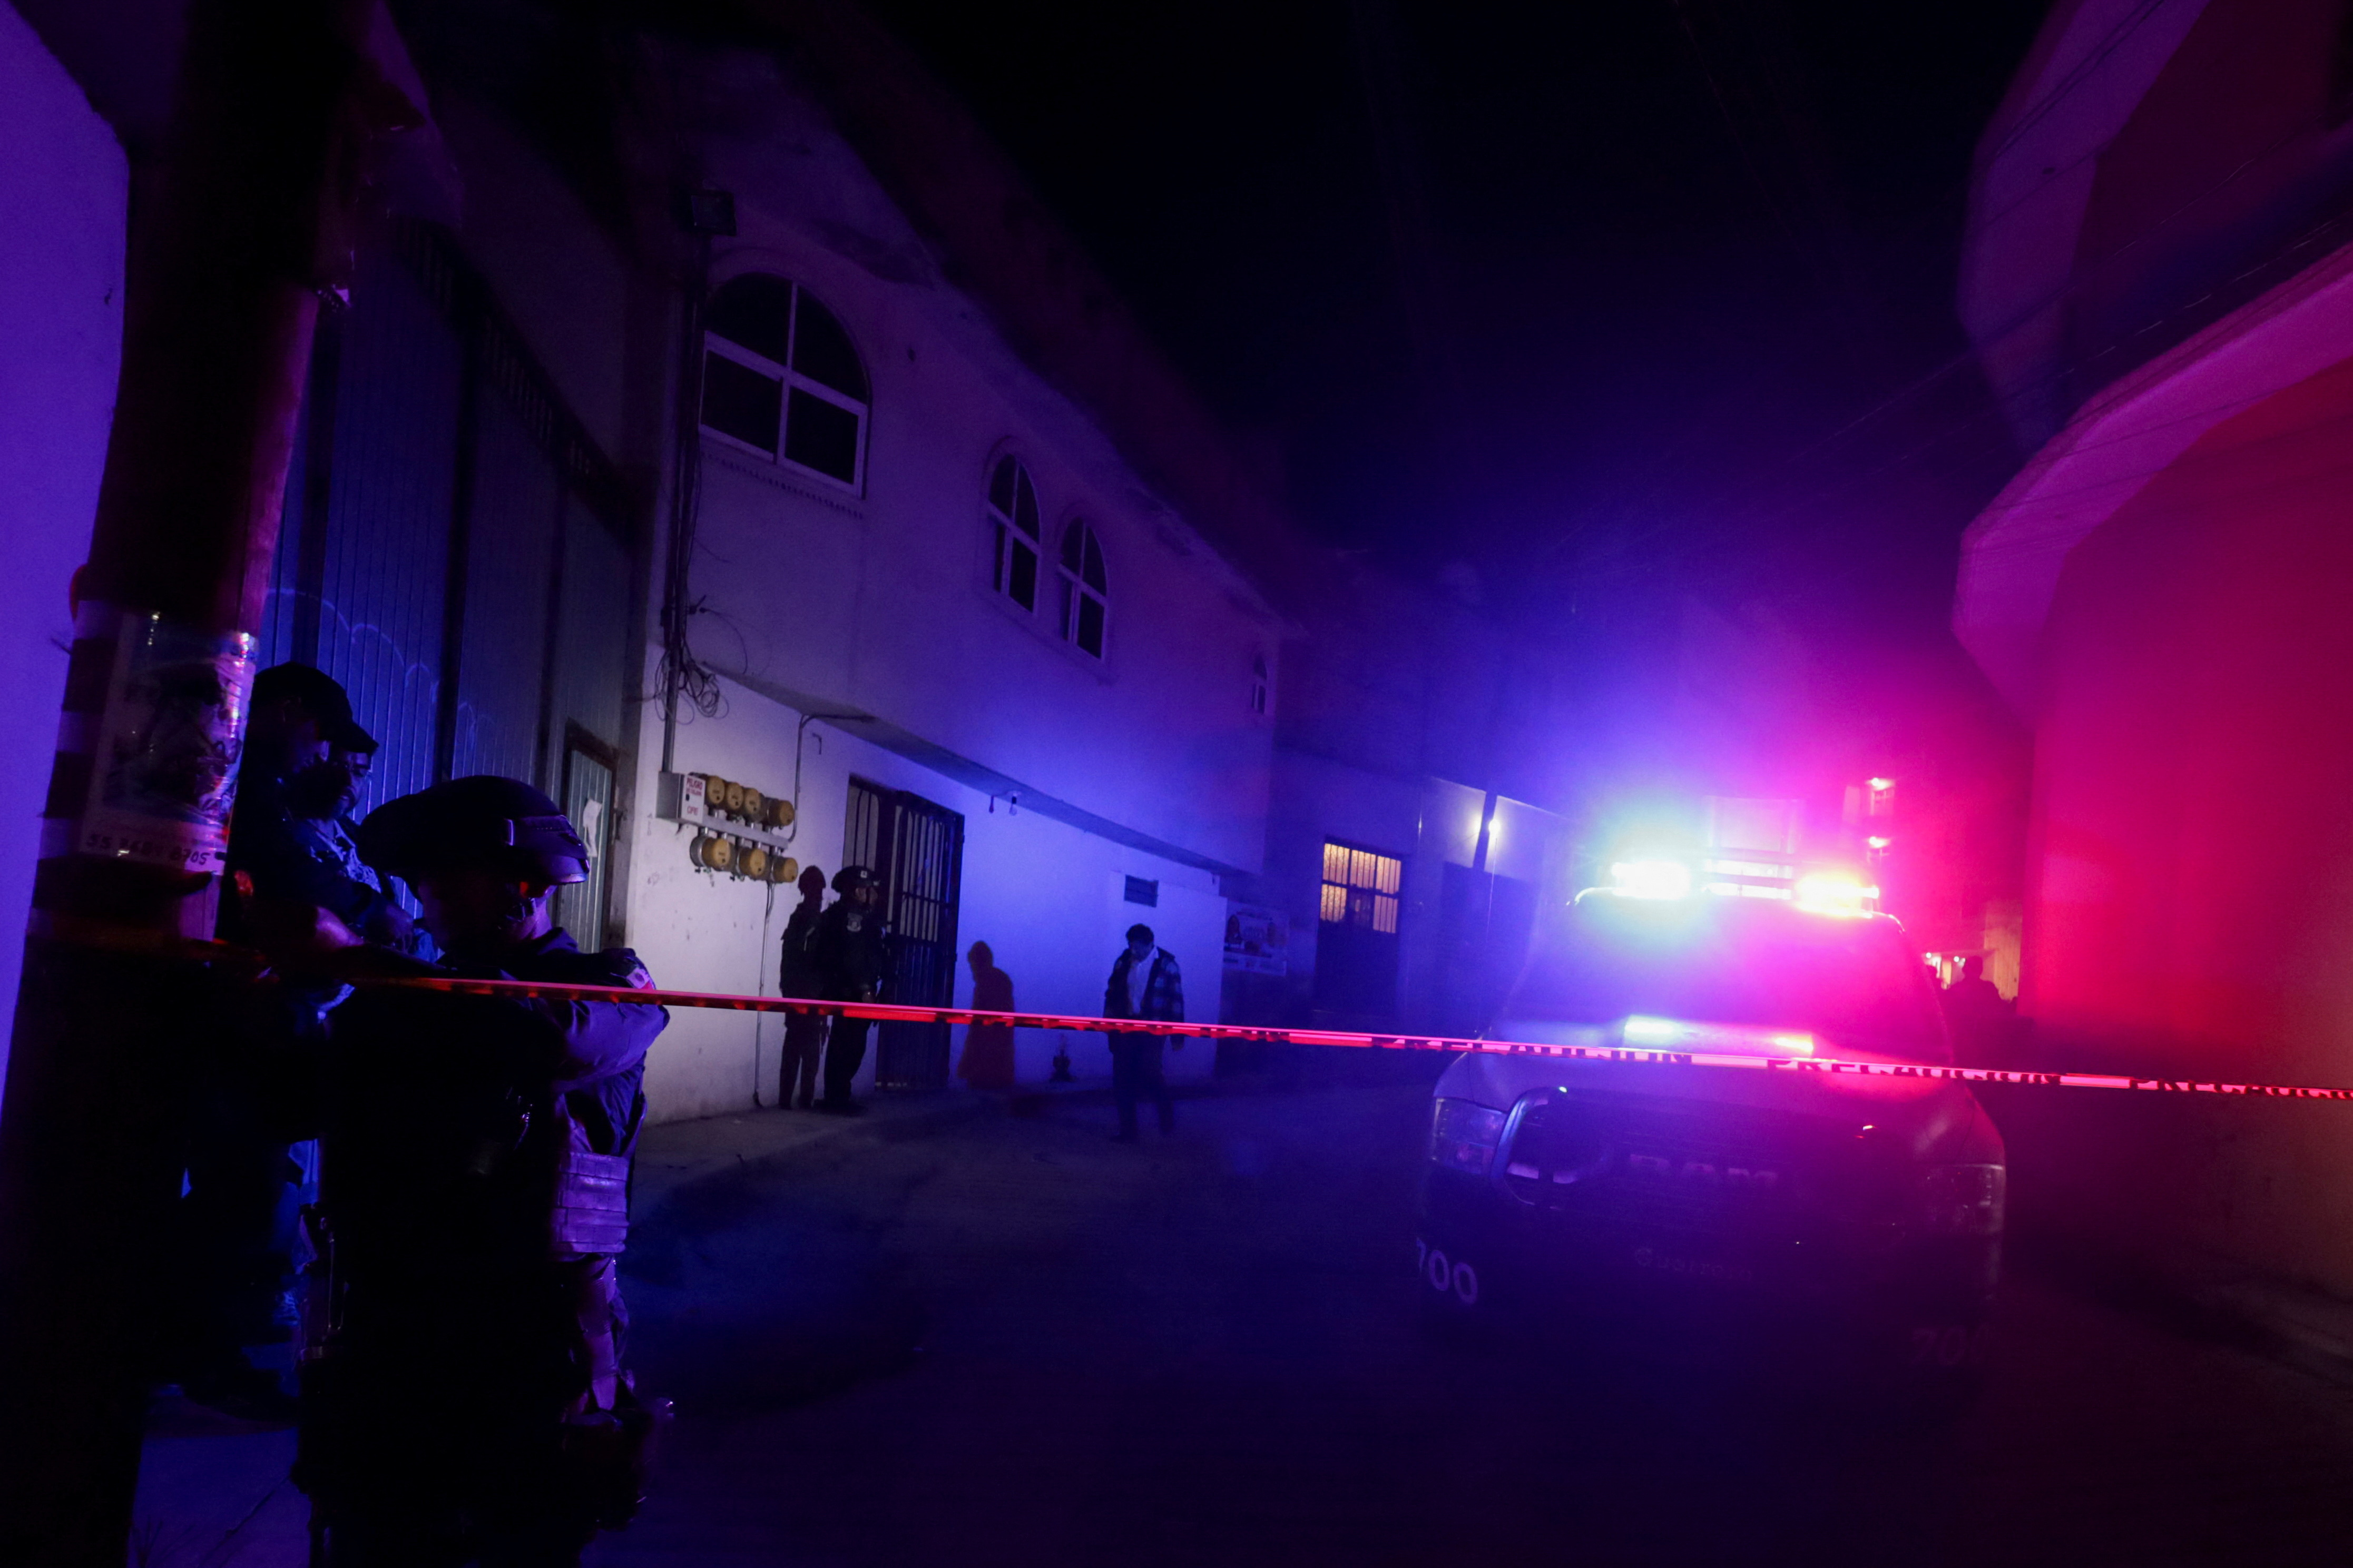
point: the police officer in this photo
(468, 1404)
(304, 756)
(291, 853)
(797, 975)
(851, 956)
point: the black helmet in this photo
(850, 877)
(499, 825)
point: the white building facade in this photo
(932, 594)
(486, 499)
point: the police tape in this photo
(1802, 1065)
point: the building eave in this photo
(2013, 554)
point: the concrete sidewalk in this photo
(213, 1493)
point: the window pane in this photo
(1025, 507)
(1090, 623)
(740, 401)
(755, 312)
(1074, 541)
(1094, 570)
(1000, 487)
(1335, 903)
(1385, 915)
(1070, 593)
(1023, 586)
(1335, 863)
(821, 436)
(822, 351)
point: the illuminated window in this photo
(1361, 887)
(1084, 589)
(781, 378)
(1013, 515)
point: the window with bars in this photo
(1013, 514)
(1361, 887)
(781, 377)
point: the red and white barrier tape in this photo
(886, 1011)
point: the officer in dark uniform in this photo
(468, 1403)
(304, 756)
(254, 1097)
(796, 977)
(851, 956)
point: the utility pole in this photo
(243, 228)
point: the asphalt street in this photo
(1006, 1340)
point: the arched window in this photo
(1013, 515)
(781, 377)
(1083, 588)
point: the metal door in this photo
(1484, 924)
(917, 849)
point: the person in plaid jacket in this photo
(1144, 984)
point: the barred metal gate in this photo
(917, 849)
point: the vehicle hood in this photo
(1932, 1119)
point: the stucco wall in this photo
(1047, 897)
(880, 601)
(2192, 839)
(63, 186)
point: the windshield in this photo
(1722, 960)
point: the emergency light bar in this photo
(1820, 893)
(1650, 879)
(1680, 1034)
(1832, 894)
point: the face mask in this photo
(321, 790)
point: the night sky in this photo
(1615, 302)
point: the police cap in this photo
(503, 826)
(850, 877)
(321, 695)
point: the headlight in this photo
(1962, 1200)
(1464, 1135)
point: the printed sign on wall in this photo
(1258, 940)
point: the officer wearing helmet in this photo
(851, 956)
(469, 1403)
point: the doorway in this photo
(1357, 937)
(916, 846)
(588, 768)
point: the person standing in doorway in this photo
(1144, 984)
(988, 1060)
(851, 952)
(797, 975)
